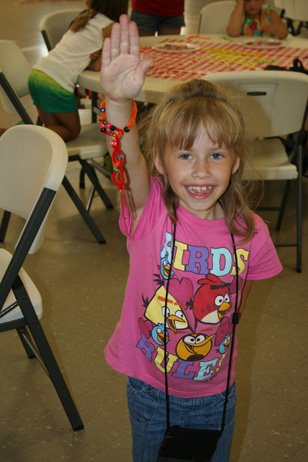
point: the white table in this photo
(154, 88)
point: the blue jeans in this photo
(153, 23)
(147, 411)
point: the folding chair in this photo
(214, 17)
(55, 24)
(14, 72)
(274, 104)
(296, 11)
(33, 162)
(52, 27)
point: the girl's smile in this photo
(200, 175)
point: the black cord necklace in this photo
(234, 322)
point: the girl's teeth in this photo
(200, 188)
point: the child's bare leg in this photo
(67, 125)
(145, 33)
(169, 31)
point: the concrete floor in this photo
(82, 285)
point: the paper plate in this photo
(174, 47)
(269, 44)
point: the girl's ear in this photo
(158, 163)
(236, 165)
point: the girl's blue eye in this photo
(185, 156)
(216, 155)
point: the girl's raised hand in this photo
(123, 72)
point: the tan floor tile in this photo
(82, 284)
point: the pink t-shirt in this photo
(200, 302)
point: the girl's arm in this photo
(276, 26)
(96, 61)
(245, 293)
(96, 58)
(122, 77)
(234, 28)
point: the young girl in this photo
(179, 220)
(251, 17)
(53, 78)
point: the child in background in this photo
(192, 201)
(251, 17)
(161, 16)
(53, 78)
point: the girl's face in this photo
(199, 176)
(253, 8)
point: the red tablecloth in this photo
(210, 56)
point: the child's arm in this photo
(234, 28)
(96, 61)
(275, 26)
(245, 293)
(122, 77)
(96, 58)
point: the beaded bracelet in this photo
(116, 134)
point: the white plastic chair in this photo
(274, 104)
(214, 17)
(280, 4)
(296, 10)
(90, 144)
(55, 24)
(33, 162)
(52, 27)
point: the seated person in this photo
(252, 17)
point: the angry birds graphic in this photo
(194, 347)
(158, 334)
(166, 257)
(212, 300)
(223, 335)
(224, 344)
(156, 310)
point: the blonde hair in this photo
(177, 120)
(110, 8)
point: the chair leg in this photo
(93, 178)
(299, 210)
(4, 224)
(46, 355)
(90, 199)
(26, 341)
(283, 205)
(83, 212)
(82, 178)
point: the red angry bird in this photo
(212, 300)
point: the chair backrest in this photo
(55, 24)
(296, 9)
(280, 4)
(33, 160)
(14, 73)
(273, 102)
(214, 17)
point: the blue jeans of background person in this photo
(153, 23)
(147, 411)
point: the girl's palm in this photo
(122, 72)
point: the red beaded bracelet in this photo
(116, 134)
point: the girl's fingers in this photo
(142, 68)
(124, 42)
(106, 57)
(134, 39)
(115, 40)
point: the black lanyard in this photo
(234, 322)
